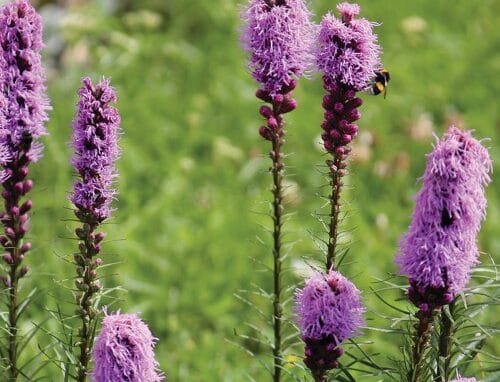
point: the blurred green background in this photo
(193, 175)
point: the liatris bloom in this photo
(329, 311)
(348, 56)
(440, 249)
(24, 107)
(123, 351)
(95, 140)
(26, 102)
(277, 35)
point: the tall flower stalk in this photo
(329, 306)
(277, 36)
(96, 130)
(24, 113)
(440, 247)
(348, 56)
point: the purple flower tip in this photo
(96, 129)
(25, 103)
(123, 351)
(348, 51)
(440, 249)
(329, 305)
(348, 11)
(278, 36)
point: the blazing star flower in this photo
(329, 311)
(347, 51)
(96, 129)
(278, 36)
(440, 249)
(124, 351)
(348, 56)
(22, 82)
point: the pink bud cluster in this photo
(341, 111)
(280, 104)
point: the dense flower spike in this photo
(123, 351)
(348, 56)
(347, 52)
(278, 36)
(96, 129)
(23, 112)
(329, 311)
(22, 81)
(440, 249)
(95, 140)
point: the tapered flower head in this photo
(347, 52)
(124, 351)
(278, 36)
(440, 248)
(329, 311)
(329, 305)
(96, 130)
(22, 81)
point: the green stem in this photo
(88, 286)
(421, 342)
(13, 316)
(336, 184)
(445, 342)
(277, 174)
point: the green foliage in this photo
(193, 169)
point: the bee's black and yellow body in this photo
(379, 83)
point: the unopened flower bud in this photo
(99, 237)
(18, 187)
(265, 133)
(7, 257)
(27, 186)
(272, 123)
(266, 111)
(24, 271)
(25, 247)
(26, 206)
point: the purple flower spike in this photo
(278, 36)
(329, 311)
(95, 140)
(124, 351)
(440, 249)
(22, 82)
(348, 52)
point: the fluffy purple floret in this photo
(124, 351)
(329, 305)
(348, 51)
(22, 81)
(461, 379)
(440, 249)
(96, 129)
(278, 36)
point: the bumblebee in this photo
(379, 83)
